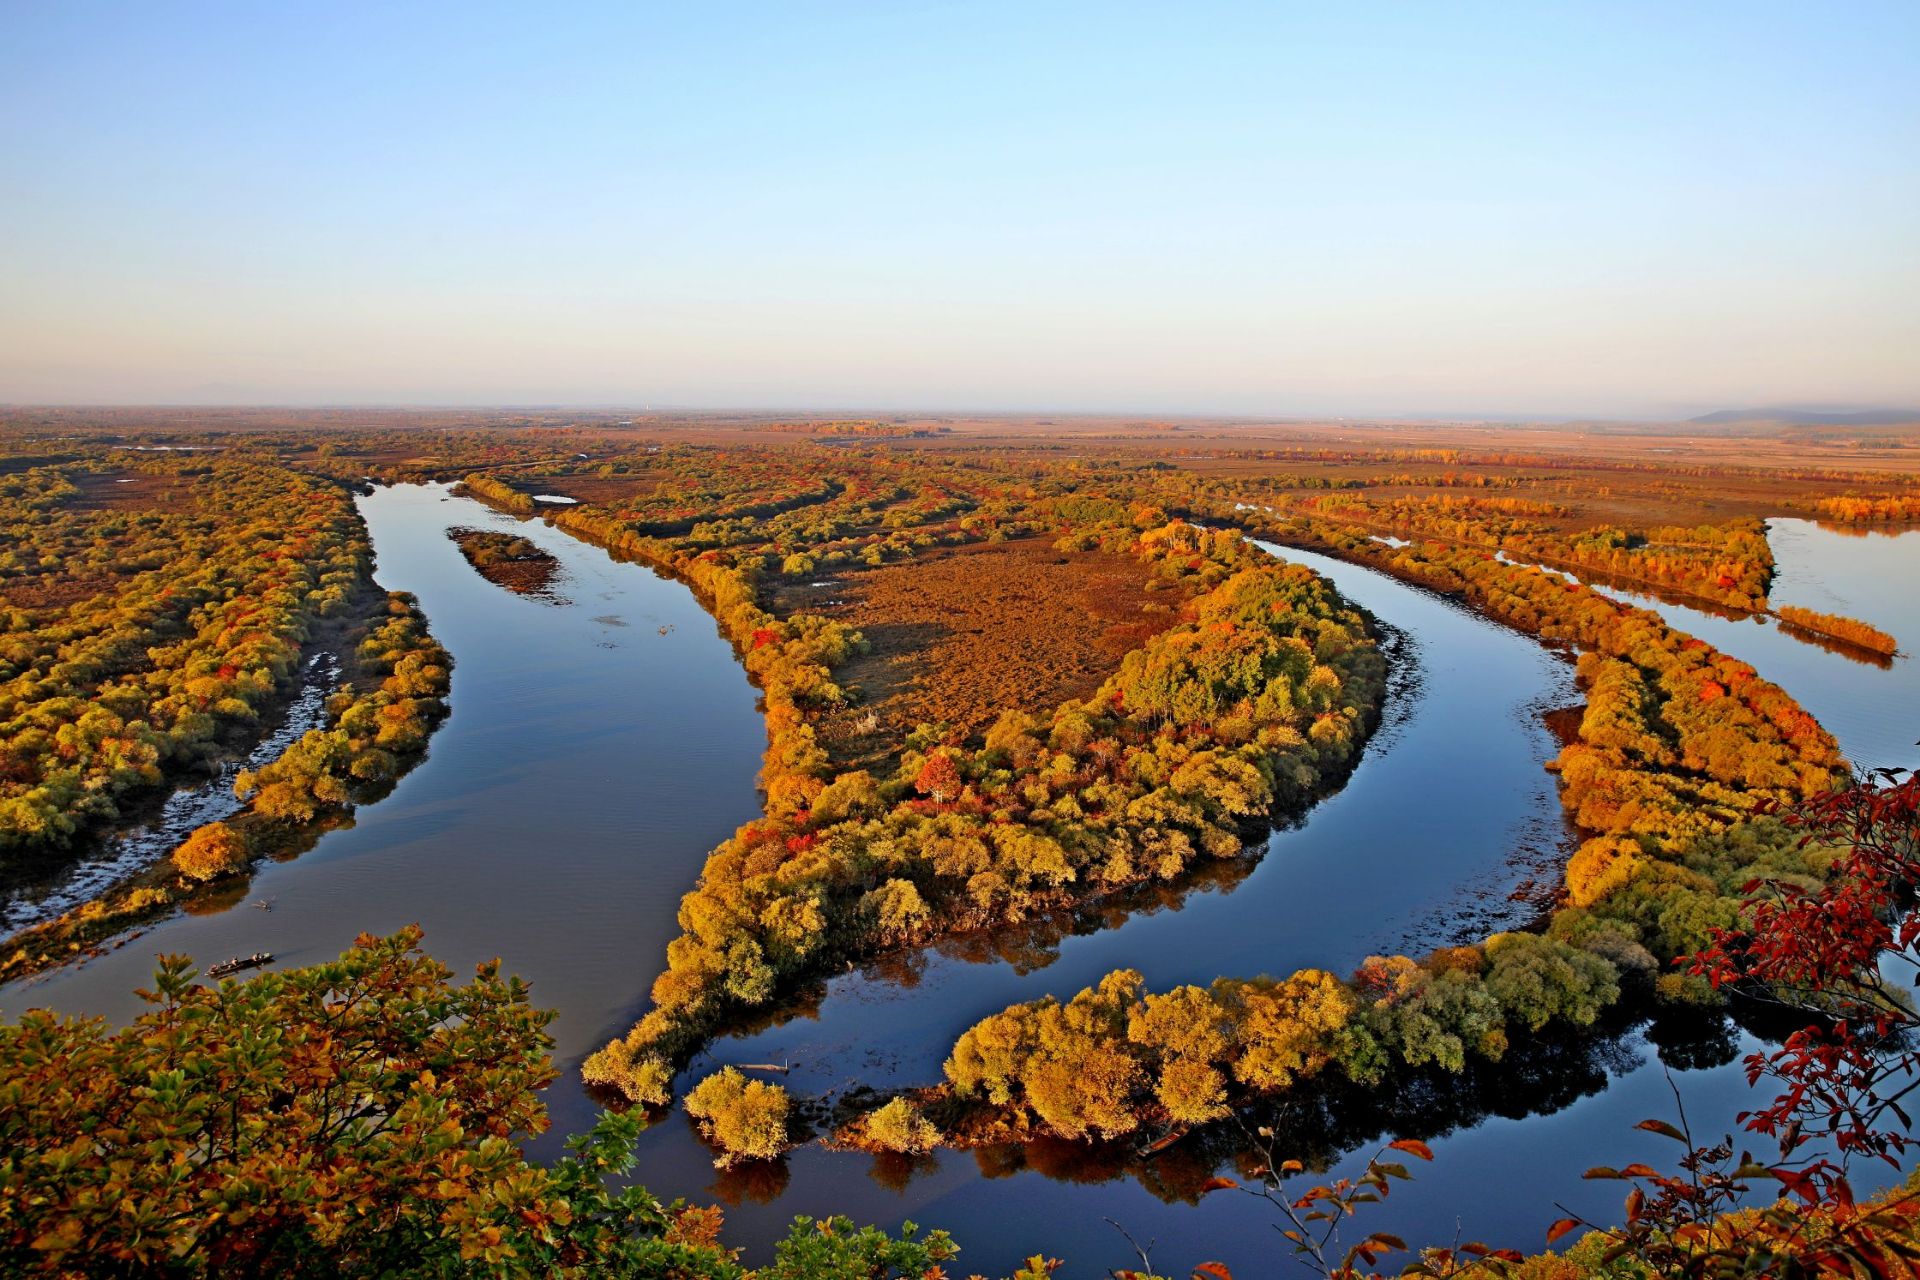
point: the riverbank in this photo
(360, 737)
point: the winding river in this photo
(600, 746)
(1870, 705)
(596, 751)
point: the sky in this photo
(1370, 209)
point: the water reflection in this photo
(1838, 648)
(1864, 529)
(1870, 706)
(596, 751)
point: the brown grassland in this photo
(961, 634)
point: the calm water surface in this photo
(1870, 706)
(589, 763)
(1462, 746)
(599, 748)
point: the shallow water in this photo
(130, 852)
(597, 749)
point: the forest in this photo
(140, 633)
(925, 780)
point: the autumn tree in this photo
(1841, 955)
(212, 851)
(187, 1143)
(746, 1119)
(939, 778)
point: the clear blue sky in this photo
(1525, 208)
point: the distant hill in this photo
(1808, 417)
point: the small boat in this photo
(227, 968)
(1164, 1141)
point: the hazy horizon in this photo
(1893, 414)
(1484, 212)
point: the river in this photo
(1870, 705)
(597, 749)
(599, 746)
(33, 898)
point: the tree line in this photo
(1250, 708)
(377, 724)
(1680, 756)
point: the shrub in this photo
(647, 1080)
(747, 1119)
(899, 1126)
(212, 851)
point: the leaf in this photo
(1387, 1240)
(1616, 1253)
(1217, 1184)
(1218, 1270)
(1413, 1147)
(1561, 1228)
(1662, 1128)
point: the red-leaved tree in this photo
(1842, 955)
